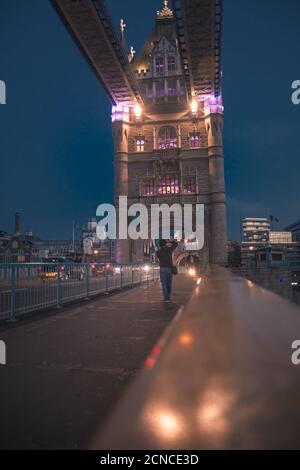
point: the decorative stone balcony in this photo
(167, 153)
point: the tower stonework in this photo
(170, 149)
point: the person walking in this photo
(164, 255)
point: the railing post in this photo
(132, 275)
(58, 289)
(106, 280)
(121, 277)
(13, 294)
(87, 282)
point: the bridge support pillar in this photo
(121, 133)
(218, 220)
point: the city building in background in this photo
(295, 230)
(90, 241)
(27, 247)
(255, 235)
(94, 249)
(277, 254)
(47, 249)
(15, 248)
(282, 238)
(262, 246)
(255, 230)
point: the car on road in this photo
(61, 268)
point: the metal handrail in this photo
(222, 377)
(28, 287)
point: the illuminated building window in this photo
(171, 87)
(159, 64)
(167, 138)
(168, 184)
(195, 139)
(171, 64)
(189, 184)
(160, 88)
(148, 187)
(140, 144)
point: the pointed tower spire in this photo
(123, 40)
(166, 12)
(122, 26)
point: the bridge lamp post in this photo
(138, 112)
(194, 108)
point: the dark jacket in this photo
(164, 255)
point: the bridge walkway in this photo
(66, 369)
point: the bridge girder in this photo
(199, 27)
(90, 24)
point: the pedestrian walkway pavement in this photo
(66, 369)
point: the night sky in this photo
(56, 146)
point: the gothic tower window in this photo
(172, 87)
(168, 184)
(189, 184)
(140, 144)
(148, 187)
(171, 63)
(195, 139)
(160, 88)
(167, 138)
(159, 65)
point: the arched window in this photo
(195, 139)
(140, 144)
(167, 138)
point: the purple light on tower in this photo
(213, 105)
(120, 112)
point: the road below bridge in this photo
(66, 369)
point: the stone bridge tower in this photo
(170, 149)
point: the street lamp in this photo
(194, 107)
(138, 112)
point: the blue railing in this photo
(29, 287)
